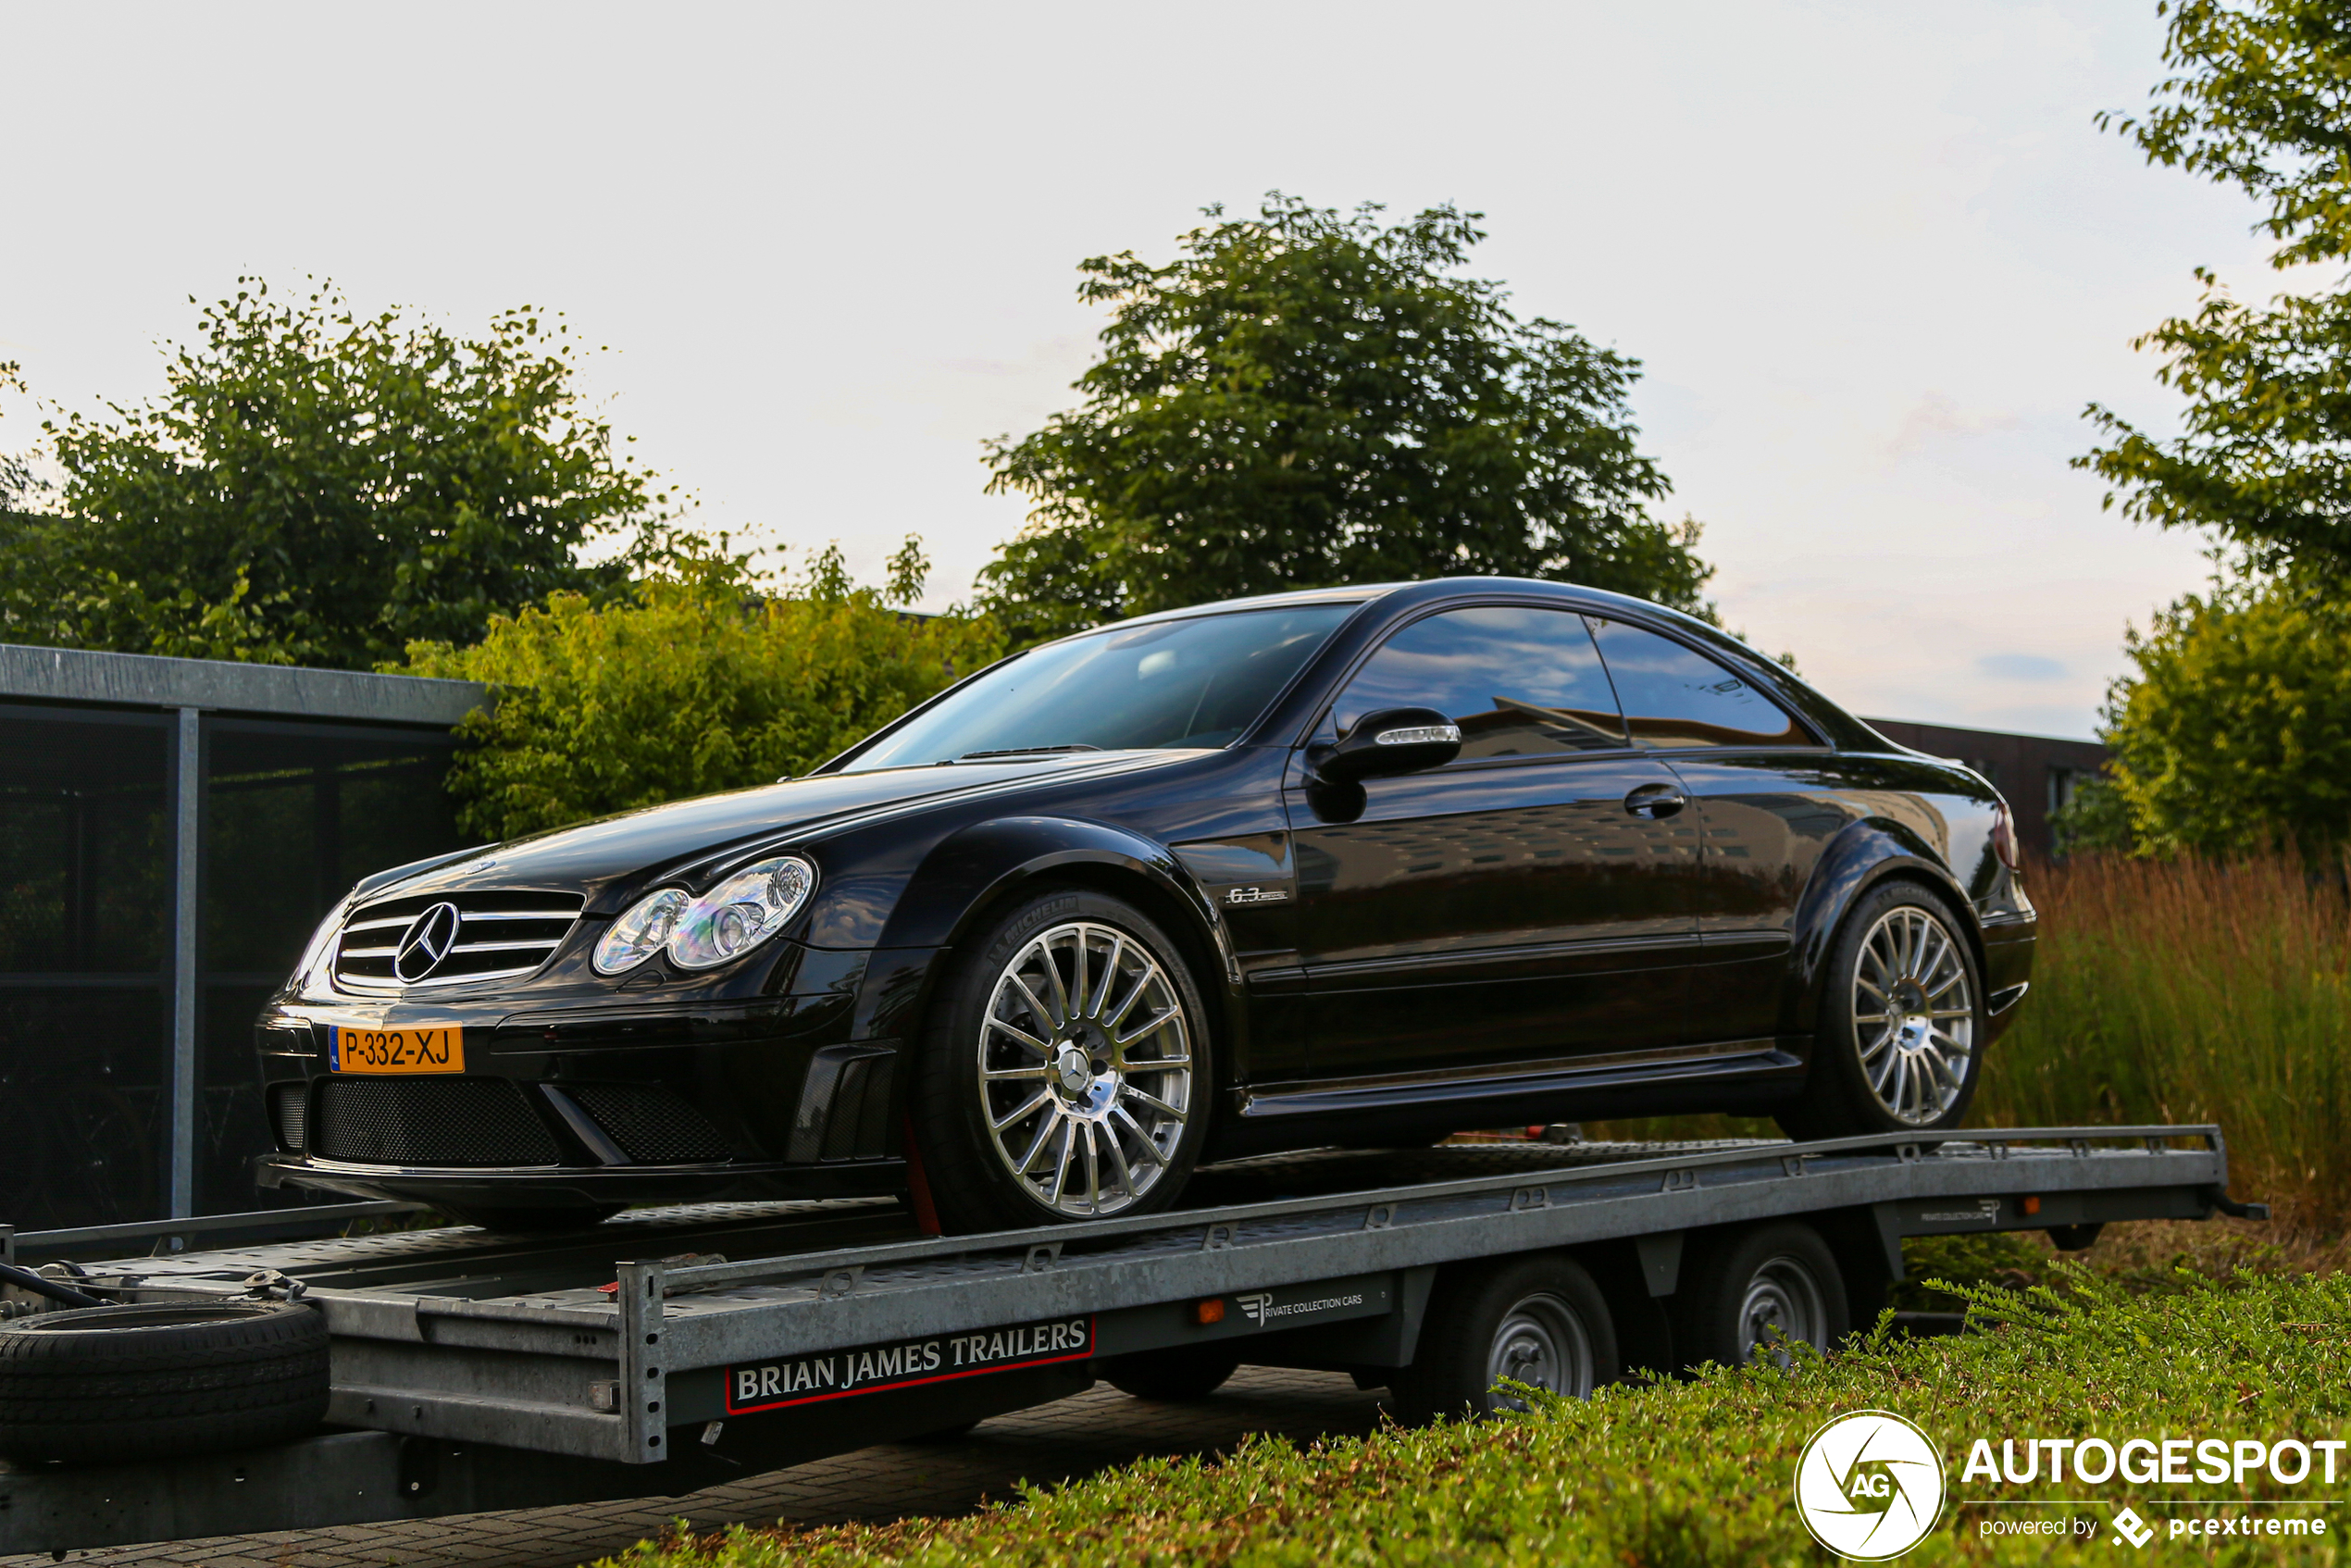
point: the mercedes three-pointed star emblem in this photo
(426, 942)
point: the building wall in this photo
(2037, 773)
(172, 830)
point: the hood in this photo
(627, 847)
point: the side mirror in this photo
(1389, 741)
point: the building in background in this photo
(2038, 773)
(170, 832)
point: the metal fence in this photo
(170, 832)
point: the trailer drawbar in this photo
(420, 1374)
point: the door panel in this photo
(1494, 913)
(1766, 819)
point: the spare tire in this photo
(158, 1378)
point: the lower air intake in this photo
(430, 1122)
(652, 1126)
(287, 1104)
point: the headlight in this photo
(639, 933)
(725, 923)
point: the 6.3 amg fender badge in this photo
(1256, 895)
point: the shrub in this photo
(700, 683)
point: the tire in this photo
(535, 1221)
(1136, 1101)
(1743, 1289)
(1177, 1375)
(1539, 1319)
(1910, 1066)
(162, 1378)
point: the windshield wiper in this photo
(1022, 751)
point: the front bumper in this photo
(625, 1101)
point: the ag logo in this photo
(1868, 1486)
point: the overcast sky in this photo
(1875, 257)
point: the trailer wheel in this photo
(160, 1378)
(1181, 1373)
(1535, 1320)
(1746, 1292)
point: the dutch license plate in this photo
(438, 1050)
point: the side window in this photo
(1675, 698)
(1519, 682)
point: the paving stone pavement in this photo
(1064, 1440)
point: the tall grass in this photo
(2193, 990)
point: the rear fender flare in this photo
(1867, 853)
(973, 872)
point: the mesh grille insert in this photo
(498, 935)
(289, 1101)
(430, 1122)
(653, 1125)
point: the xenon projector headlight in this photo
(725, 923)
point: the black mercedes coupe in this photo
(1356, 866)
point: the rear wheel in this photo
(1066, 1068)
(1757, 1291)
(1537, 1320)
(1902, 1024)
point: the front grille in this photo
(652, 1126)
(498, 936)
(288, 1101)
(430, 1122)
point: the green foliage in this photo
(2234, 732)
(2098, 817)
(320, 488)
(699, 681)
(2193, 990)
(1304, 399)
(1692, 1473)
(2259, 99)
(16, 482)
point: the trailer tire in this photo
(1179, 1374)
(160, 1378)
(1539, 1319)
(1741, 1287)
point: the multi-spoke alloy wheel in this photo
(1913, 1015)
(1085, 1068)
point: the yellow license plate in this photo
(440, 1050)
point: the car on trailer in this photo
(1354, 867)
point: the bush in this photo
(698, 683)
(2235, 733)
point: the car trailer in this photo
(672, 1350)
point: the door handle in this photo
(1655, 801)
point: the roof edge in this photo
(81, 674)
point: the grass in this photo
(2193, 991)
(1697, 1472)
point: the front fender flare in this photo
(1862, 855)
(970, 872)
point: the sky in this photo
(1875, 260)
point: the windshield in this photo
(1194, 682)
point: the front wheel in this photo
(1065, 1073)
(1902, 1023)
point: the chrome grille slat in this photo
(514, 933)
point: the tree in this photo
(318, 487)
(699, 680)
(2260, 98)
(2234, 733)
(1305, 398)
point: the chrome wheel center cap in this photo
(1074, 1069)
